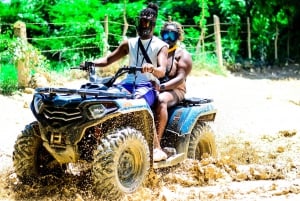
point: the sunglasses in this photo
(169, 35)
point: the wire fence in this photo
(205, 45)
(201, 43)
(191, 45)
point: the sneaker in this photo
(159, 155)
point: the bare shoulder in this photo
(124, 46)
(186, 53)
(185, 62)
(124, 43)
(183, 54)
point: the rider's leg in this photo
(165, 99)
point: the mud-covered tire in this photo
(202, 140)
(30, 158)
(121, 163)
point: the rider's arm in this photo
(117, 54)
(162, 61)
(184, 67)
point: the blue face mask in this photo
(169, 36)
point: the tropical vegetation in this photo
(67, 32)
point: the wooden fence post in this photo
(218, 40)
(22, 64)
(276, 43)
(125, 22)
(249, 38)
(106, 45)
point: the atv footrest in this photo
(171, 161)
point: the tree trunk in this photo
(249, 37)
(276, 44)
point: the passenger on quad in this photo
(173, 86)
(108, 135)
(146, 51)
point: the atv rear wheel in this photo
(202, 140)
(30, 158)
(121, 163)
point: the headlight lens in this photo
(96, 111)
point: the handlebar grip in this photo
(88, 64)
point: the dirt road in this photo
(258, 139)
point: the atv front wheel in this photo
(202, 140)
(30, 159)
(121, 163)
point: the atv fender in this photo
(183, 118)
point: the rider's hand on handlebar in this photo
(147, 68)
(86, 65)
(83, 66)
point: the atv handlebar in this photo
(121, 71)
(89, 67)
(129, 70)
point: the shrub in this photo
(8, 79)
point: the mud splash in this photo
(258, 143)
(181, 182)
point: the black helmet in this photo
(147, 20)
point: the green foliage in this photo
(260, 26)
(15, 50)
(8, 79)
(5, 41)
(191, 37)
(8, 74)
(232, 10)
(76, 31)
(204, 14)
(207, 62)
(20, 49)
(68, 32)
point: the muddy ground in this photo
(257, 130)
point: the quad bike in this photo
(109, 133)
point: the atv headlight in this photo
(38, 105)
(96, 111)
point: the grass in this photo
(8, 79)
(208, 63)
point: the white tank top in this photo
(136, 58)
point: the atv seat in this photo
(195, 101)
